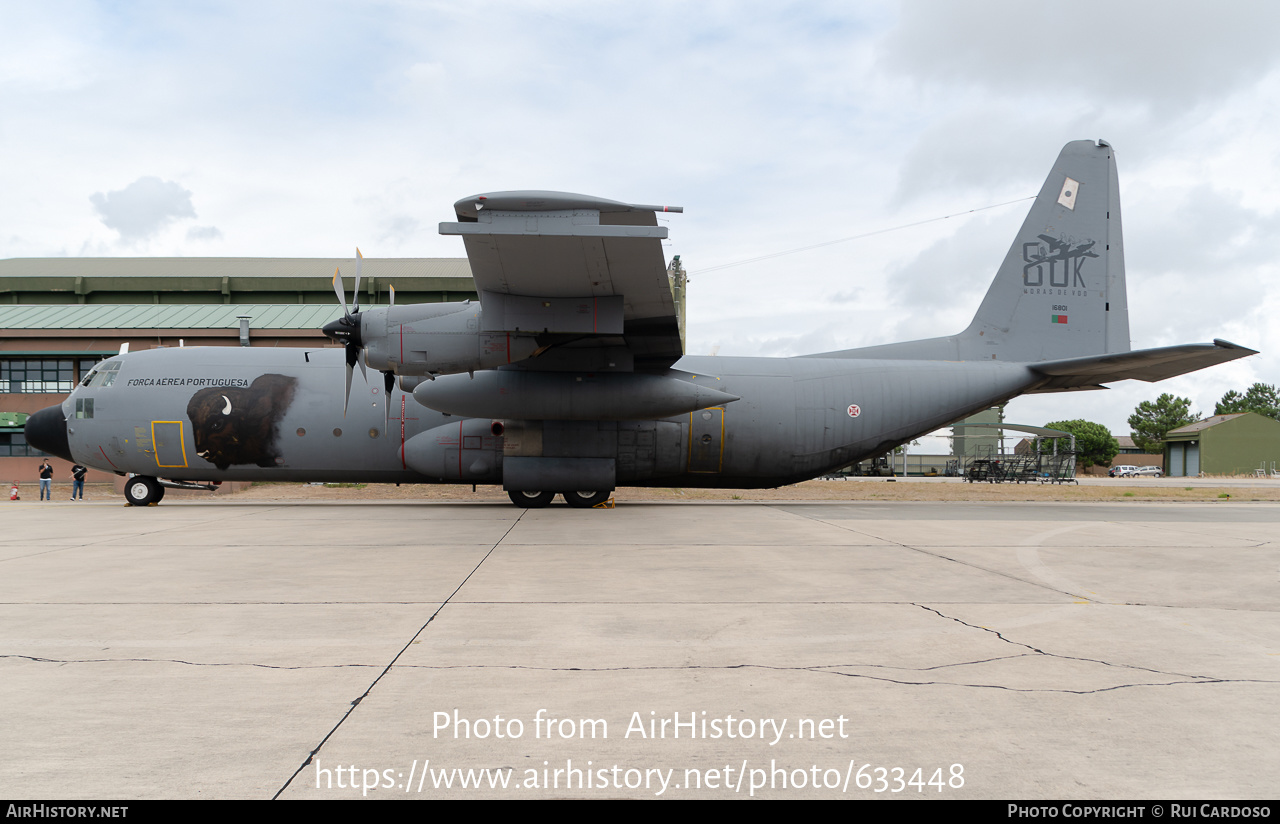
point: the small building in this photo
(1128, 447)
(1234, 444)
(978, 435)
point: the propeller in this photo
(346, 329)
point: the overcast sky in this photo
(304, 129)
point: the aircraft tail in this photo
(1058, 302)
(1060, 292)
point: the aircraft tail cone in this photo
(46, 430)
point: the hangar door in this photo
(1184, 459)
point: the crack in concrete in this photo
(819, 669)
(940, 556)
(40, 660)
(1038, 651)
(311, 755)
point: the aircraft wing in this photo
(1145, 365)
(574, 268)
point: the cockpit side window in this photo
(105, 375)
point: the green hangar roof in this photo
(228, 280)
(168, 316)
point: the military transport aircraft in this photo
(568, 376)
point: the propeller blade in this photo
(393, 295)
(353, 357)
(363, 372)
(337, 290)
(359, 266)
(388, 381)
(346, 397)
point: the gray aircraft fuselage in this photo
(796, 418)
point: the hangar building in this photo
(1234, 444)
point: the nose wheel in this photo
(141, 490)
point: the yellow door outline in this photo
(182, 442)
(719, 456)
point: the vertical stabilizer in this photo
(1060, 292)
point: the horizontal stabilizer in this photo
(1145, 365)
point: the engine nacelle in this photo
(437, 339)
(571, 396)
(466, 451)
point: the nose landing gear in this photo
(141, 490)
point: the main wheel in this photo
(530, 500)
(141, 490)
(586, 500)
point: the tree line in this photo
(1151, 421)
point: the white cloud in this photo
(143, 208)
(307, 131)
(204, 233)
(1160, 57)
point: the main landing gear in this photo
(579, 500)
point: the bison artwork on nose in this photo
(239, 425)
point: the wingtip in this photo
(1226, 344)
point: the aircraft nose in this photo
(46, 430)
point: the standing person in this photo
(46, 480)
(77, 481)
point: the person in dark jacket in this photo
(46, 481)
(77, 481)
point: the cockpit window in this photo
(106, 375)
